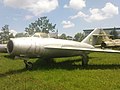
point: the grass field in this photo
(102, 73)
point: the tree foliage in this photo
(40, 25)
(79, 37)
(69, 38)
(5, 34)
(63, 36)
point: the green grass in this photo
(102, 73)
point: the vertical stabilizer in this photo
(89, 38)
(105, 37)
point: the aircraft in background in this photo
(53, 48)
(104, 40)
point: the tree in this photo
(79, 37)
(5, 33)
(63, 36)
(40, 25)
(69, 38)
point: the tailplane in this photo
(89, 39)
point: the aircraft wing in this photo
(82, 49)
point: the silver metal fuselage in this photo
(3, 47)
(36, 47)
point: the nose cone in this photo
(25, 47)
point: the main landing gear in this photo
(85, 59)
(28, 65)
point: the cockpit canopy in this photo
(41, 35)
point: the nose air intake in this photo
(10, 46)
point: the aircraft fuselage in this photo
(36, 47)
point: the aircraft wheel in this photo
(103, 45)
(29, 65)
(84, 60)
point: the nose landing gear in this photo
(28, 65)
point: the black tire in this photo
(84, 61)
(103, 45)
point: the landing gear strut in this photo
(85, 60)
(103, 45)
(28, 65)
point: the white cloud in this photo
(76, 4)
(101, 14)
(37, 7)
(96, 14)
(28, 17)
(110, 10)
(67, 24)
(79, 14)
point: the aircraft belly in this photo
(60, 53)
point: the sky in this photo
(70, 16)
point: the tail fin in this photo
(89, 38)
(105, 36)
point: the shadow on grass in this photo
(9, 57)
(70, 65)
(49, 64)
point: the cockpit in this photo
(41, 35)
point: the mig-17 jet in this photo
(40, 47)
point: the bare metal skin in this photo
(39, 47)
(3, 47)
(51, 48)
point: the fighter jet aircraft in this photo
(108, 42)
(104, 41)
(52, 48)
